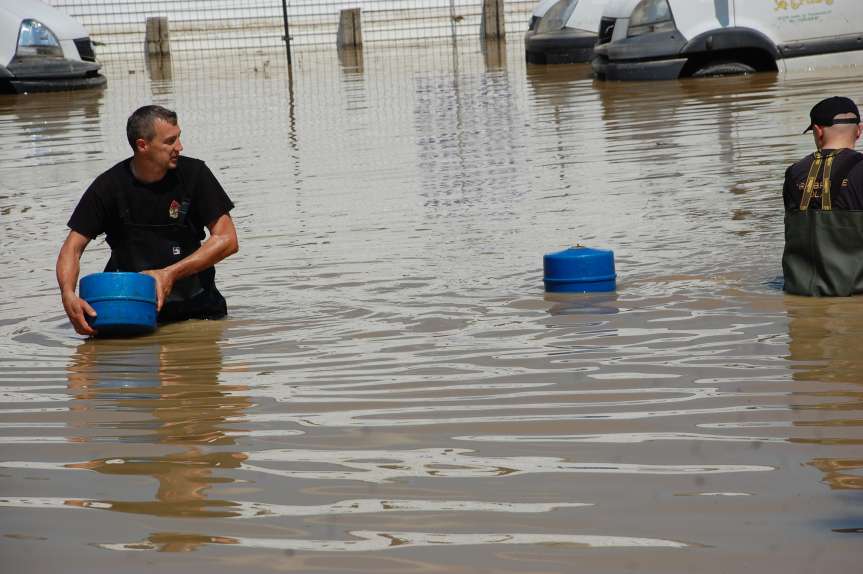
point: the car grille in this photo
(85, 49)
(606, 30)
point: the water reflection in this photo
(35, 110)
(160, 69)
(381, 466)
(554, 85)
(841, 474)
(494, 54)
(412, 388)
(351, 61)
(366, 540)
(168, 389)
(824, 353)
(469, 155)
(564, 99)
(669, 122)
(583, 303)
(38, 131)
(824, 336)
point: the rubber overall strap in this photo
(810, 182)
(826, 204)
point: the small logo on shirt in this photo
(174, 210)
(176, 250)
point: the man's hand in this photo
(68, 267)
(164, 284)
(77, 309)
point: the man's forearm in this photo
(68, 269)
(67, 278)
(213, 250)
(221, 243)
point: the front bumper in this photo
(604, 69)
(48, 75)
(14, 86)
(566, 46)
(654, 56)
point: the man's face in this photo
(165, 147)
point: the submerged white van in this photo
(667, 39)
(563, 31)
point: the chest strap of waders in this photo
(812, 180)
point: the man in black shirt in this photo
(153, 208)
(836, 128)
(823, 197)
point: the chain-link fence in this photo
(118, 26)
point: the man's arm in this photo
(68, 269)
(221, 243)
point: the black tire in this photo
(729, 68)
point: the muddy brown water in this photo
(393, 391)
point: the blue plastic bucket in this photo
(579, 270)
(125, 303)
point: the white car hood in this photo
(619, 8)
(541, 8)
(587, 15)
(63, 26)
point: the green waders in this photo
(823, 248)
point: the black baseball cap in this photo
(823, 112)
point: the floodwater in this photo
(393, 391)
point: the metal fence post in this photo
(157, 40)
(492, 25)
(350, 34)
(287, 30)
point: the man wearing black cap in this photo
(823, 196)
(835, 126)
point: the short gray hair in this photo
(140, 123)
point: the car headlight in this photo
(650, 16)
(36, 39)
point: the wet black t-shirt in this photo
(846, 192)
(150, 203)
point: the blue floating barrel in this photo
(125, 303)
(579, 270)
